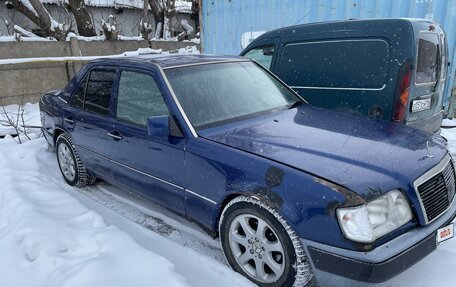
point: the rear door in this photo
(426, 97)
(88, 118)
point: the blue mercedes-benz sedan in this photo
(297, 194)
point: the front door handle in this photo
(115, 135)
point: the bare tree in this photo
(40, 17)
(49, 27)
(15, 120)
(163, 11)
(109, 28)
(83, 19)
(145, 27)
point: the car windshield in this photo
(214, 94)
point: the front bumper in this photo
(344, 267)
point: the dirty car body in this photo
(319, 170)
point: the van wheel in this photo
(71, 166)
(259, 244)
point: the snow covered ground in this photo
(55, 235)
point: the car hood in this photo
(365, 155)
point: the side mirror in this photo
(158, 126)
(163, 126)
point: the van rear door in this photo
(427, 89)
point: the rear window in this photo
(335, 64)
(428, 55)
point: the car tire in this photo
(70, 164)
(267, 242)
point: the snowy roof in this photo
(182, 6)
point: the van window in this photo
(335, 64)
(427, 62)
(262, 55)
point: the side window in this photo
(262, 55)
(77, 100)
(139, 98)
(99, 90)
(428, 56)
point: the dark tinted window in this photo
(99, 89)
(335, 64)
(77, 100)
(262, 55)
(428, 50)
(139, 98)
(218, 93)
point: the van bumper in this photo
(431, 124)
(342, 267)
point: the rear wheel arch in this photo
(57, 133)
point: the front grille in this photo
(437, 193)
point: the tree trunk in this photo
(159, 16)
(145, 28)
(83, 19)
(110, 29)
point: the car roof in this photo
(334, 25)
(169, 60)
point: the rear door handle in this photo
(69, 120)
(115, 135)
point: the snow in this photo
(133, 38)
(7, 39)
(83, 38)
(54, 235)
(48, 238)
(31, 118)
(29, 6)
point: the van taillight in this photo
(400, 108)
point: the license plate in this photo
(445, 233)
(421, 105)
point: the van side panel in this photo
(350, 65)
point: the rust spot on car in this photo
(274, 176)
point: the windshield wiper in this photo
(295, 104)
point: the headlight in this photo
(370, 221)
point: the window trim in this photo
(417, 56)
(139, 71)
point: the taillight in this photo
(400, 108)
